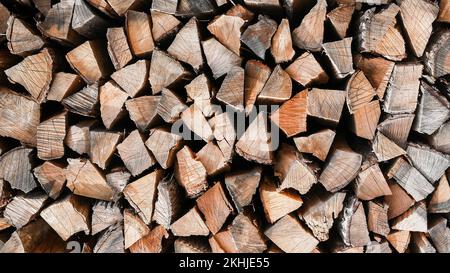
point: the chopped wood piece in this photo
(77, 137)
(19, 116)
(397, 128)
(281, 47)
(291, 116)
(291, 236)
(399, 201)
(377, 70)
(103, 6)
(134, 228)
(399, 240)
(293, 171)
(166, 6)
(134, 154)
(340, 55)
(118, 48)
(170, 202)
(215, 207)
(437, 54)
(377, 218)
(231, 91)
(258, 37)
(326, 105)
(418, 34)
(432, 112)
(277, 204)
(52, 178)
(199, 91)
(191, 245)
(196, 122)
(444, 11)
(256, 76)
(410, 179)
(111, 241)
(186, 45)
(50, 137)
(83, 102)
(440, 200)
(227, 30)
(403, 89)
(224, 133)
(414, 219)
(341, 168)
(370, 184)
(430, 163)
(139, 32)
(63, 85)
(317, 144)
(112, 100)
(143, 111)
(4, 224)
(242, 186)
(278, 87)
(385, 149)
(23, 208)
(86, 21)
(255, 144)
(190, 173)
(190, 224)
(122, 6)
(340, 18)
(34, 73)
(67, 216)
(117, 180)
(353, 224)
(170, 106)
(392, 46)
(141, 194)
(215, 247)
(365, 120)
(200, 8)
(421, 244)
(164, 71)
(102, 146)
(440, 234)
(320, 211)
(263, 5)
(220, 59)
(19, 176)
(90, 61)
(240, 11)
(22, 38)
(83, 178)
(57, 24)
(359, 92)
(307, 71)
(376, 247)
(309, 35)
(163, 145)
(152, 242)
(163, 25)
(213, 159)
(105, 215)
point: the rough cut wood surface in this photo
(225, 126)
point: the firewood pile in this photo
(224, 126)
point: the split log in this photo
(353, 224)
(23, 208)
(440, 234)
(258, 37)
(340, 56)
(4, 15)
(67, 216)
(399, 201)
(199, 8)
(19, 117)
(163, 25)
(141, 194)
(118, 48)
(84, 179)
(52, 178)
(278, 87)
(326, 105)
(170, 106)
(122, 6)
(77, 137)
(190, 173)
(90, 60)
(436, 54)
(170, 202)
(340, 18)
(111, 241)
(365, 120)
(213, 159)
(163, 145)
(317, 144)
(440, 200)
(227, 30)
(112, 100)
(291, 116)
(102, 146)
(291, 236)
(19, 176)
(152, 242)
(307, 71)
(143, 111)
(240, 11)
(164, 71)
(219, 58)
(50, 137)
(215, 207)
(376, 247)
(134, 228)
(421, 244)
(117, 180)
(86, 21)
(63, 85)
(190, 224)
(320, 211)
(35, 73)
(139, 32)
(277, 204)
(264, 5)
(83, 102)
(242, 186)
(104, 7)
(196, 122)
(377, 218)
(105, 215)
(191, 245)
(385, 149)
(199, 91)
(359, 92)
(430, 163)
(377, 70)
(303, 36)
(370, 184)
(231, 91)
(397, 128)
(414, 219)
(186, 45)
(22, 38)
(166, 6)
(410, 179)
(399, 239)
(444, 11)
(225, 134)
(293, 170)
(256, 76)
(134, 154)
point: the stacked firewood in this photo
(224, 126)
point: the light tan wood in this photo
(440, 200)
(370, 184)
(18, 176)
(186, 45)
(219, 58)
(399, 201)
(83, 102)
(377, 70)
(291, 116)
(213, 159)
(122, 6)
(307, 71)
(224, 133)
(397, 128)
(22, 39)
(365, 120)
(199, 91)
(77, 137)
(63, 85)
(399, 239)
(421, 244)
(359, 91)
(436, 56)
(190, 173)
(164, 71)
(152, 242)
(303, 36)
(231, 91)
(377, 219)
(163, 25)
(432, 164)
(281, 47)
(170, 202)
(278, 87)
(23, 208)
(385, 149)
(118, 48)
(112, 100)
(50, 137)
(52, 178)
(133, 78)
(439, 234)
(164, 145)
(138, 27)
(242, 186)
(134, 228)
(190, 224)
(103, 6)
(105, 215)
(102, 146)
(414, 219)
(444, 11)
(317, 144)
(166, 6)
(134, 154)
(117, 180)
(240, 11)
(258, 36)
(353, 224)
(340, 56)
(196, 122)
(111, 241)
(191, 245)
(340, 18)
(86, 21)
(227, 30)
(170, 106)
(256, 75)
(334, 101)
(143, 111)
